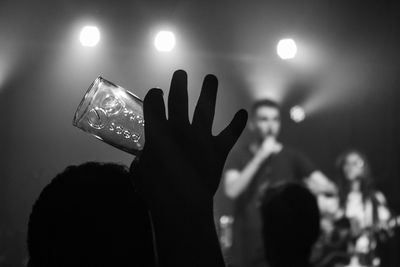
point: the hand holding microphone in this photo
(269, 146)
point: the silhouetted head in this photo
(291, 225)
(90, 215)
(265, 119)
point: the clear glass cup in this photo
(113, 115)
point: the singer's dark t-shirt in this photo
(288, 165)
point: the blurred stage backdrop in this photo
(343, 79)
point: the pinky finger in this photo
(228, 137)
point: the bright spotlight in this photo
(164, 41)
(90, 36)
(297, 114)
(286, 49)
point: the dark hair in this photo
(264, 103)
(344, 185)
(291, 224)
(90, 215)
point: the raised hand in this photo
(180, 169)
(181, 159)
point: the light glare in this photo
(297, 114)
(286, 49)
(90, 36)
(164, 41)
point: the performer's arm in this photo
(235, 181)
(383, 211)
(317, 182)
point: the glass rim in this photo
(85, 103)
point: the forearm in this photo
(317, 182)
(235, 186)
(187, 237)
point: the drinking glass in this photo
(113, 115)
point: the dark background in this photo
(345, 76)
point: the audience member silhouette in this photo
(180, 169)
(291, 226)
(90, 215)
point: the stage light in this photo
(90, 36)
(164, 41)
(297, 114)
(286, 49)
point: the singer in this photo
(263, 163)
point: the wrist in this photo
(185, 236)
(182, 215)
